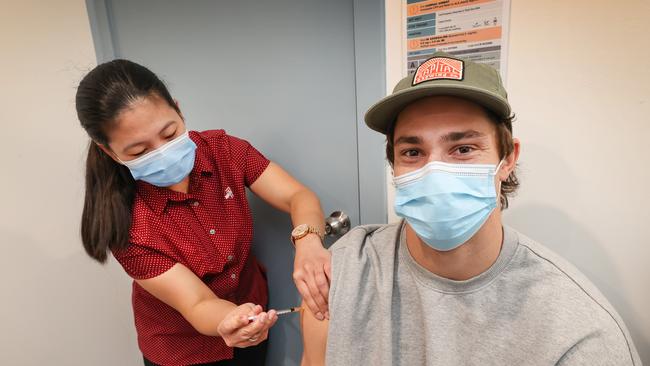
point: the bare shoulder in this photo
(314, 338)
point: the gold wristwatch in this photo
(303, 230)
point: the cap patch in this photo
(439, 68)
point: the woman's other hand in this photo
(312, 264)
(312, 273)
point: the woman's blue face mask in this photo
(167, 165)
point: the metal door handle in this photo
(337, 224)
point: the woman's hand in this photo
(237, 331)
(311, 270)
(311, 274)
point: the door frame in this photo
(370, 86)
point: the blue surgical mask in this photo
(167, 165)
(446, 204)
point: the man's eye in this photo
(411, 153)
(465, 149)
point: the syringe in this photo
(279, 312)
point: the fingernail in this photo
(327, 315)
(319, 316)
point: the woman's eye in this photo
(140, 153)
(169, 132)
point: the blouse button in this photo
(233, 276)
(212, 231)
(195, 203)
(230, 257)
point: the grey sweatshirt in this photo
(529, 308)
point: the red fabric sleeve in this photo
(142, 263)
(248, 159)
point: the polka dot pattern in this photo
(209, 230)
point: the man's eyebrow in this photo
(408, 140)
(461, 135)
(144, 142)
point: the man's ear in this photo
(510, 161)
(108, 152)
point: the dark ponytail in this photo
(110, 189)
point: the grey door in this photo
(293, 77)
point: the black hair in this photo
(110, 189)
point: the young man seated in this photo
(450, 284)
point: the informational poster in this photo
(472, 29)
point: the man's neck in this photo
(468, 260)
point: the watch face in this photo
(299, 230)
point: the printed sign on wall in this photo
(472, 29)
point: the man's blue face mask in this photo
(446, 204)
(167, 165)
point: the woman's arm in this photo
(282, 191)
(181, 289)
(312, 263)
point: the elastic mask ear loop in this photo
(117, 157)
(111, 150)
(496, 170)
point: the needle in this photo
(279, 312)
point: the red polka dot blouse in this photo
(208, 230)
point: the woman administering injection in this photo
(170, 204)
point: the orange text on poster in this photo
(454, 38)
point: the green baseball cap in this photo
(443, 75)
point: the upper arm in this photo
(179, 288)
(247, 159)
(276, 187)
(602, 348)
(314, 338)
(265, 178)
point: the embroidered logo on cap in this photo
(439, 68)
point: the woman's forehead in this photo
(142, 119)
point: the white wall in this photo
(58, 307)
(579, 82)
